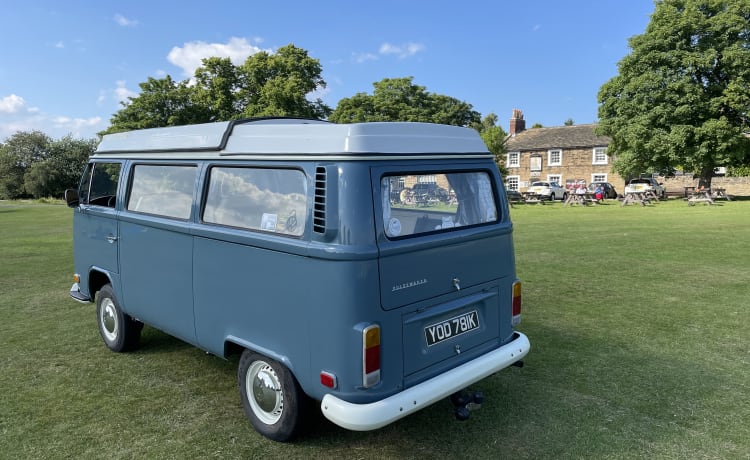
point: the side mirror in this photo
(71, 197)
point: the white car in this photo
(645, 184)
(548, 190)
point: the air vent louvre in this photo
(319, 207)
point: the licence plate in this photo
(450, 328)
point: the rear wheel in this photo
(272, 398)
(119, 331)
(552, 197)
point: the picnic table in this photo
(717, 193)
(701, 196)
(534, 198)
(582, 199)
(642, 198)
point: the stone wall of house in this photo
(737, 186)
(576, 164)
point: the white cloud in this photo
(189, 57)
(76, 124)
(12, 104)
(122, 93)
(359, 58)
(402, 51)
(60, 44)
(125, 22)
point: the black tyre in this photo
(552, 197)
(273, 400)
(565, 196)
(119, 331)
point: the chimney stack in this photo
(517, 123)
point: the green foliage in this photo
(398, 99)
(682, 95)
(738, 171)
(569, 122)
(264, 85)
(32, 164)
(537, 125)
(494, 136)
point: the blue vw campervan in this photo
(369, 267)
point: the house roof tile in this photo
(562, 137)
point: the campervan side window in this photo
(271, 200)
(163, 190)
(415, 204)
(99, 184)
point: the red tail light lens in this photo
(516, 303)
(370, 355)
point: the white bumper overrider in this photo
(363, 417)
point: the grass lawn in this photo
(638, 319)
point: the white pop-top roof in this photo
(297, 137)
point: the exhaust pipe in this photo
(466, 401)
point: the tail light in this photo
(516, 304)
(370, 355)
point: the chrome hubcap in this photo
(264, 392)
(108, 319)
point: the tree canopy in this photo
(682, 96)
(399, 99)
(33, 165)
(264, 85)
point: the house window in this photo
(598, 178)
(600, 156)
(535, 162)
(554, 157)
(554, 178)
(511, 182)
(514, 159)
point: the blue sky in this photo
(65, 66)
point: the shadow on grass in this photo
(578, 396)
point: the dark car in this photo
(609, 189)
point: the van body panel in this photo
(98, 230)
(157, 270)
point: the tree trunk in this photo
(704, 180)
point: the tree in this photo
(398, 99)
(264, 85)
(32, 164)
(278, 84)
(536, 125)
(569, 122)
(494, 137)
(682, 96)
(162, 102)
(17, 155)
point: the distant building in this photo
(563, 154)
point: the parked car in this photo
(609, 189)
(548, 190)
(645, 184)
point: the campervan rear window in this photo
(423, 203)
(271, 200)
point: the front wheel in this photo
(119, 331)
(552, 197)
(272, 398)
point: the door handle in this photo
(112, 238)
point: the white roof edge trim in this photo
(193, 156)
(310, 137)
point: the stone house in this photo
(564, 154)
